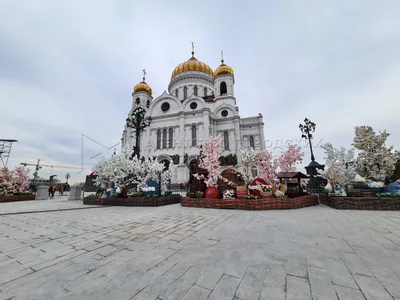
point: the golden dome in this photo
(192, 65)
(143, 86)
(223, 69)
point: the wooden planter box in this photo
(252, 204)
(11, 198)
(133, 201)
(363, 203)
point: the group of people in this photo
(60, 188)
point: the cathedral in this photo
(200, 102)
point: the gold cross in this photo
(144, 74)
(222, 56)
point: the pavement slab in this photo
(59, 249)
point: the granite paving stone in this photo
(66, 251)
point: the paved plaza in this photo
(175, 252)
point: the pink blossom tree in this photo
(289, 158)
(20, 179)
(6, 181)
(209, 160)
(267, 166)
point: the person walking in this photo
(50, 189)
(53, 191)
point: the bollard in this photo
(42, 192)
(75, 192)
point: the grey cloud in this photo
(68, 68)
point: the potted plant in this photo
(266, 190)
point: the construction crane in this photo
(38, 166)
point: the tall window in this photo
(205, 92)
(170, 138)
(137, 101)
(223, 88)
(226, 140)
(185, 92)
(252, 142)
(194, 136)
(164, 138)
(158, 139)
(148, 103)
(195, 91)
(176, 93)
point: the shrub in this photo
(199, 194)
(190, 195)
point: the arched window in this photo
(252, 142)
(184, 92)
(195, 91)
(176, 93)
(194, 136)
(158, 139)
(148, 103)
(223, 88)
(205, 92)
(170, 138)
(137, 101)
(226, 140)
(164, 138)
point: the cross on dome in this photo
(144, 75)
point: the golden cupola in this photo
(223, 69)
(143, 86)
(192, 64)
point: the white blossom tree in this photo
(249, 161)
(340, 164)
(123, 169)
(374, 158)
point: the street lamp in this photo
(138, 121)
(67, 176)
(307, 130)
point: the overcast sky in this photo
(67, 68)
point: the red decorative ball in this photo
(212, 193)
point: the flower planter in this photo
(212, 193)
(266, 194)
(241, 192)
(23, 197)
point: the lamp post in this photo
(67, 176)
(138, 121)
(307, 130)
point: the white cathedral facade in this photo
(199, 103)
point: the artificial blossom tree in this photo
(248, 158)
(341, 168)
(267, 166)
(288, 159)
(125, 169)
(374, 158)
(209, 160)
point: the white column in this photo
(206, 124)
(238, 140)
(182, 137)
(262, 137)
(200, 133)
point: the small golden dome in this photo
(143, 86)
(223, 69)
(192, 65)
